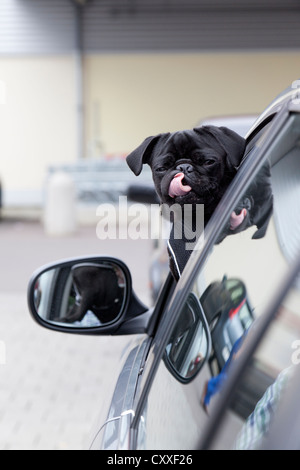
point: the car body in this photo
(168, 394)
(239, 123)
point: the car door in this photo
(232, 279)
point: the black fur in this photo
(208, 156)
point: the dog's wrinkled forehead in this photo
(182, 144)
(221, 139)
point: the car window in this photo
(248, 263)
(245, 267)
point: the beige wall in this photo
(127, 98)
(37, 120)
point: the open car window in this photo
(249, 259)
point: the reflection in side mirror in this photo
(80, 294)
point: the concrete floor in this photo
(53, 384)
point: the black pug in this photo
(190, 167)
(97, 290)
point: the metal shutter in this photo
(36, 26)
(48, 26)
(137, 25)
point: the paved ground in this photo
(52, 385)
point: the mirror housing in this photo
(189, 345)
(91, 295)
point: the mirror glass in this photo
(80, 294)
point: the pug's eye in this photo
(209, 162)
(160, 169)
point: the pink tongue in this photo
(177, 188)
(236, 220)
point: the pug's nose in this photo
(185, 168)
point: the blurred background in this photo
(90, 79)
(82, 83)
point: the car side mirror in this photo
(189, 345)
(86, 295)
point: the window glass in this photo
(243, 271)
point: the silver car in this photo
(169, 394)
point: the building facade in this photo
(93, 81)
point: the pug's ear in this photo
(233, 144)
(142, 154)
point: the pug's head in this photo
(191, 166)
